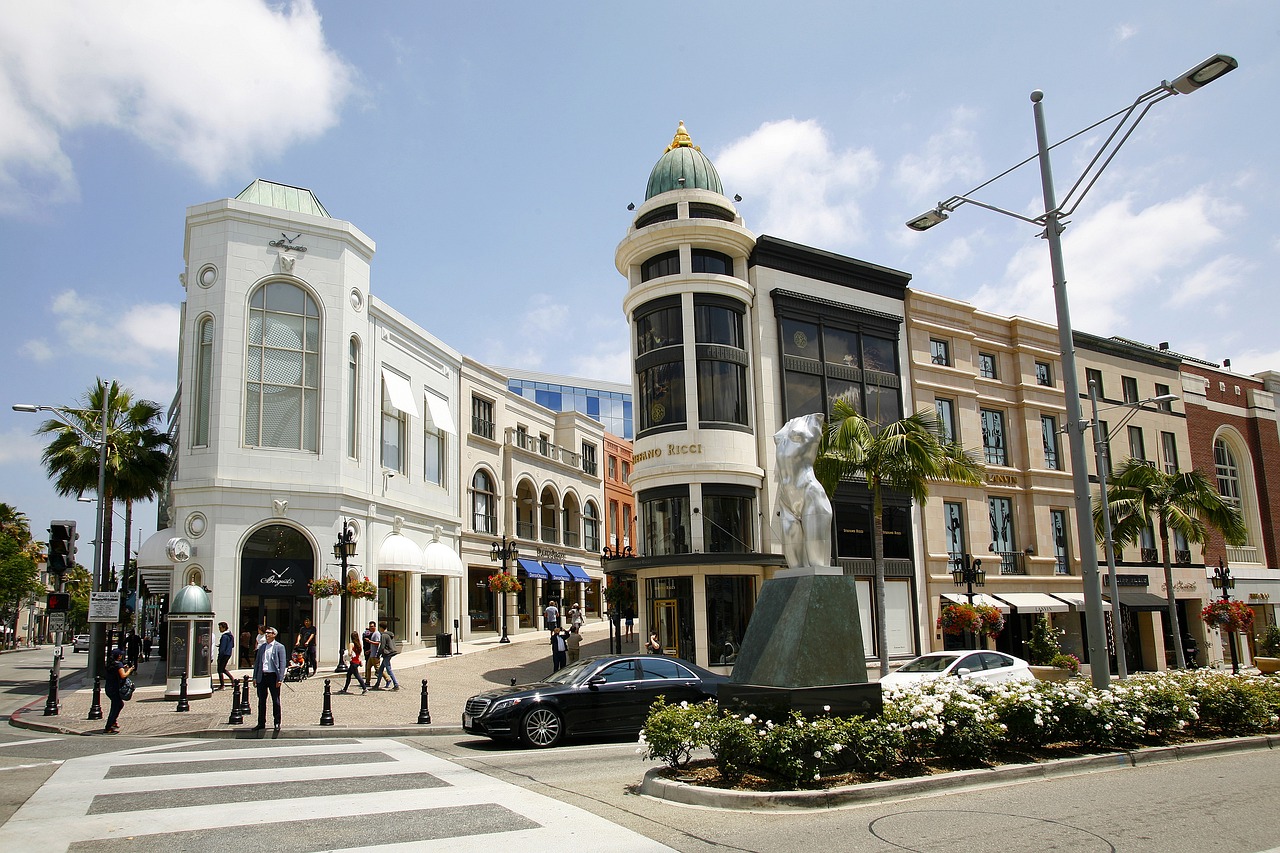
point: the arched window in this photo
(353, 399)
(204, 383)
(549, 532)
(591, 527)
(1228, 472)
(1236, 485)
(484, 503)
(282, 369)
(569, 521)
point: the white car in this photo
(80, 643)
(968, 665)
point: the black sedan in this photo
(607, 695)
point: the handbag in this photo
(126, 689)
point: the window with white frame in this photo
(282, 369)
(353, 399)
(484, 503)
(590, 527)
(204, 383)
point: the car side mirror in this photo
(596, 681)
(963, 671)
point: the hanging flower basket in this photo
(958, 619)
(503, 582)
(325, 587)
(363, 588)
(1233, 616)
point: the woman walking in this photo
(117, 672)
(353, 664)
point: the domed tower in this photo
(696, 473)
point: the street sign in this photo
(104, 607)
(57, 621)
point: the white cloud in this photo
(1252, 361)
(1214, 282)
(1124, 32)
(1116, 259)
(798, 185)
(213, 86)
(143, 335)
(19, 446)
(949, 157)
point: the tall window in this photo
(664, 516)
(940, 352)
(484, 503)
(1228, 473)
(1163, 391)
(668, 263)
(589, 464)
(204, 383)
(993, 443)
(434, 445)
(1002, 535)
(727, 519)
(591, 527)
(953, 515)
(1061, 552)
(1049, 433)
(353, 399)
(1169, 450)
(1129, 385)
(393, 427)
(987, 366)
(1137, 447)
(482, 417)
(1094, 376)
(1044, 374)
(946, 410)
(282, 369)
(613, 467)
(660, 364)
(722, 361)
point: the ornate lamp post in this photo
(503, 551)
(343, 550)
(969, 573)
(1222, 580)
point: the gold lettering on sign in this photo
(681, 449)
(1002, 479)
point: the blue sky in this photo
(491, 149)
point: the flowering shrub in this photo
(1228, 615)
(325, 587)
(503, 582)
(1067, 661)
(363, 588)
(957, 619)
(965, 723)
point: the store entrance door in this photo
(667, 624)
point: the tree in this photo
(19, 581)
(904, 456)
(1186, 502)
(137, 462)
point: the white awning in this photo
(978, 598)
(399, 553)
(399, 392)
(1075, 599)
(1034, 602)
(438, 408)
(153, 553)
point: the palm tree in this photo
(1185, 502)
(137, 459)
(904, 456)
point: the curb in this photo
(658, 787)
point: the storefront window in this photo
(727, 521)
(730, 600)
(665, 516)
(671, 614)
(481, 605)
(433, 608)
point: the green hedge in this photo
(966, 723)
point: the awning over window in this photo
(1034, 602)
(399, 392)
(577, 573)
(557, 571)
(1140, 601)
(533, 568)
(978, 598)
(438, 408)
(1075, 599)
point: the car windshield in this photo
(570, 674)
(933, 663)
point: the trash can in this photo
(444, 645)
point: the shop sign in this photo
(1002, 479)
(272, 576)
(550, 554)
(671, 450)
(1128, 580)
(1178, 586)
(1259, 596)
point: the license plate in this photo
(466, 721)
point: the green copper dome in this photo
(682, 166)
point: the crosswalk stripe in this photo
(189, 801)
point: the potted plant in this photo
(1231, 616)
(363, 588)
(325, 587)
(1267, 660)
(503, 582)
(959, 619)
(1044, 653)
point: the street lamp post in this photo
(97, 653)
(343, 550)
(503, 551)
(1053, 222)
(970, 573)
(1222, 580)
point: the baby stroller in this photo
(297, 670)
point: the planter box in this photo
(1267, 666)
(1050, 673)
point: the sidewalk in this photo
(481, 665)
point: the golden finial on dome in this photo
(682, 140)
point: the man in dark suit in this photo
(269, 667)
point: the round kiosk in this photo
(190, 622)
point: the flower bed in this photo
(949, 724)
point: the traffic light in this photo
(58, 602)
(62, 547)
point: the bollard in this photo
(236, 717)
(51, 704)
(326, 715)
(95, 709)
(245, 707)
(424, 715)
(183, 704)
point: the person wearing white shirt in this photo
(268, 671)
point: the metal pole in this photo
(97, 650)
(1101, 674)
(1117, 626)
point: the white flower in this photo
(817, 753)
(827, 708)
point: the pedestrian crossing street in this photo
(283, 796)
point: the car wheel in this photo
(542, 727)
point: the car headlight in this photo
(504, 704)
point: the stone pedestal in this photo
(803, 649)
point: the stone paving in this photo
(481, 664)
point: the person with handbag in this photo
(119, 688)
(352, 657)
(388, 651)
